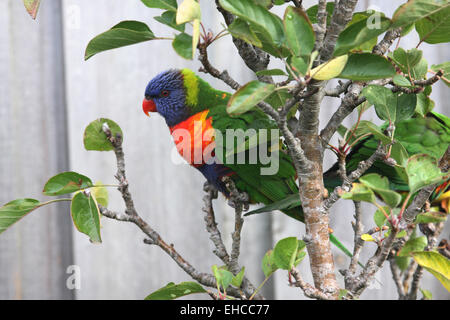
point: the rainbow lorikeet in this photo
(190, 105)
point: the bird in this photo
(192, 109)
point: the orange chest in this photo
(194, 139)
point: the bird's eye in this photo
(147, 97)
(165, 93)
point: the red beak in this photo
(148, 106)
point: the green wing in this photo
(261, 188)
(264, 189)
(430, 135)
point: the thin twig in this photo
(387, 41)
(211, 225)
(307, 289)
(358, 242)
(362, 167)
(208, 68)
(154, 238)
(395, 270)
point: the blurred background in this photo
(48, 95)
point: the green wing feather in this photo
(430, 135)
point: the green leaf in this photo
(424, 104)
(123, 34)
(100, 194)
(168, 18)
(406, 105)
(402, 262)
(298, 65)
(329, 69)
(422, 171)
(95, 139)
(379, 218)
(189, 10)
(342, 293)
(240, 29)
(401, 81)
(364, 127)
(359, 33)
(268, 265)
(278, 98)
(32, 7)
(15, 210)
(249, 96)
(369, 127)
(430, 217)
(435, 28)
(359, 192)
(390, 106)
(406, 60)
(301, 254)
(66, 182)
(380, 185)
(285, 253)
(407, 29)
(413, 245)
(267, 44)
(436, 264)
(446, 68)
(264, 3)
(86, 216)
(259, 17)
(299, 31)
(383, 99)
(399, 154)
(182, 44)
(271, 72)
(290, 201)
(410, 62)
(367, 66)
(223, 276)
(237, 279)
(312, 12)
(427, 295)
(415, 10)
(173, 291)
(420, 70)
(161, 4)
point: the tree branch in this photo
(351, 100)
(358, 242)
(387, 41)
(362, 167)
(307, 289)
(254, 58)
(154, 238)
(342, 15)
(208, 68)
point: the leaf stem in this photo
(259, 288)
(55, 200)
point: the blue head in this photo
(166, 94)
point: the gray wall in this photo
(33, 145)
(48, 94)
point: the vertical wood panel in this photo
(35, 253)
